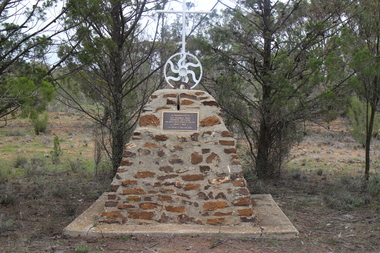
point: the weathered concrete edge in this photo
(277, 225)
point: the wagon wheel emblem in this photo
(183, 68)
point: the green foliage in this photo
(357, 114)
(20, 162)
(82, 248)
(5, 224)
(271, 72)
(57, 152)
(40, 124)
(374, 186)
(344, 194)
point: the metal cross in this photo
(181, 67)
(184, 11)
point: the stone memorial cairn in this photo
(179, 170)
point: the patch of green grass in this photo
(13, 133)
(82, 248)
(124, 238)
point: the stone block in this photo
(112, 196)
(227, 134)
(136, 191)
(214, 205)
(112, 214)
(196, 158)
(245, 212)
(170, 95)
(149, 120)
(245, 201)
(161, 137)
(227, 143)
(210, 103)
(184, 219)
(204, 169)
(175, 209)
(176, 161)
(243, 191)
(189, 187)
(220, 195)
(239, 182)
(230, 150)
(126, 162)
(111, 203)
(187, 102)
(171, 176)
(166, 169)
(125, 206)
(143, 215)
(189, 96)
(223, 213)
(130, 154)
(165, 198)
(133, 198)
(163, 108)
(129, 182)
(213, 158)
(144, 151)
(149, 205)
(114, 187)
(193, 177)
(144, 174)
(210, 121)
(215, 221)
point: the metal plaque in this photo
(180, 121)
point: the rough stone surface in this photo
(179, 177)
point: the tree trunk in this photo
(264, 165)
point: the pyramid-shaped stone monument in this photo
(180, 174)
(180, 167)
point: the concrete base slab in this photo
(272, 222)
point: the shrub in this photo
(20, 162)
(357, 116)
(14, 133)
(57, 152)
(374, 186)
(76, 165)
(344, 194)
(40, 124)
(37, 162)
(82, 248)
(5, 224)
(7, 199)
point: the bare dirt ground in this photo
(320, 191)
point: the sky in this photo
(201, 5)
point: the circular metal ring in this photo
(183, 68)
